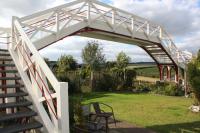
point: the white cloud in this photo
(179, 17)
(191, 43)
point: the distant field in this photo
(148, 72)
(147, 79)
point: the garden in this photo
(160, 107)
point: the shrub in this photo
(106, 82)
(71, 114)
(169, 89)
(130, 77)
(194, 76)
(142, 88)
(78, 113)
(73, 85)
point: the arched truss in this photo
(88, 18)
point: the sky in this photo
(181, 18)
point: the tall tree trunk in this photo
(124, 74)
(92, 80)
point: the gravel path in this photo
(124, 127)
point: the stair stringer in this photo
(38, 106)
(35, 73)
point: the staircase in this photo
(16, 114)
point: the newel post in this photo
(63, 108)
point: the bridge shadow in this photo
(190, 127)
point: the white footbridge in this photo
(88, 18)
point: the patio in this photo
(125, 127)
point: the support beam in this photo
(177, 74)
(168, 73)
(161, 72)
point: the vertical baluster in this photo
(160, 33)
(57, 23)
(148, 28)
(88, 10)
(113, 16)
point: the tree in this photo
(93, 57)
(64, 64)
(194, 76)
(110, 64)
(122, 62)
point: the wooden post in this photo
(63, 108)
(161, 72)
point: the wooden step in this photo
(7, 65)
(8, 71)
(21, 127)
(4, 54)
(15, 104)
(17, 94)
(11, 86)
(5, 59)
(4, 50)
(17, 115)
(155, 51)
(10, 78)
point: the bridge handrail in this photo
(88, 8)
(177, 55)
(52, 21)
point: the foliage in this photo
(110, 65)
(121, 72)
(94, 59)
(130, 76)
(169, 89)
(78, 113)
(84, 72)
(194, 76)
(122, 60)
(92, 55)
(72, 84)
(106, 82)
(71, 113)
(142, 87)
(64, 64)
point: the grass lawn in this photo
(162, 114)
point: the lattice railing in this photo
(53, 21)
(4, 37)
(50, 97)
(177, 55)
